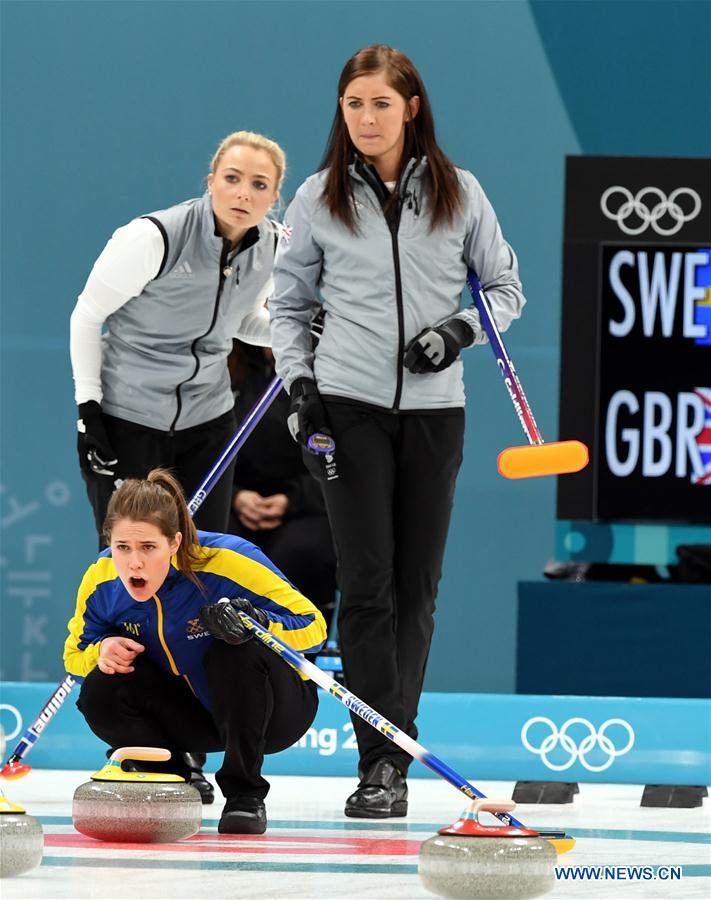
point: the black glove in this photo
(222, 619)
(96, 454)
(307, 414)
(434, 349)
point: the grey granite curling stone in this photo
(21, 840)
(480, 864)
(137, 807)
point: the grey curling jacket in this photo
(379, 288)
(164, 351)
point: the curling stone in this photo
(470, 860)
(137, 807)
(21, 840)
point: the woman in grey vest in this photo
(170, 290)
(381, 238)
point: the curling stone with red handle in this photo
(471, 860)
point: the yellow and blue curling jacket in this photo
(169, 625)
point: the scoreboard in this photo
(636, 338)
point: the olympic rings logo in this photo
(578, 752)
(13, 710)
(652, 211)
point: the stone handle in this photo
(152, 753)
(486, 804)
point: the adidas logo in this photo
(182, 270)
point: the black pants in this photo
(259, 705)
(189, 453)
(389, 510)
(302, 548)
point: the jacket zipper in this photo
(193, 347)
(164, 645)
(381, 192)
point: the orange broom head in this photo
(556, 458)
(14, 768)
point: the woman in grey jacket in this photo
(381, 238)
(171, 289)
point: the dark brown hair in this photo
(420, 139)
(159, 500)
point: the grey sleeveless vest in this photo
(164, 352)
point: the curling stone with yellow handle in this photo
(137, 807)
(21, 840)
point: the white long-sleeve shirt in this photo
(131, 259)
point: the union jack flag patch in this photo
(703, 440)
(286, 232)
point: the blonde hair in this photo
(158, 500)
(257, 142)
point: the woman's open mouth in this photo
(137, 582)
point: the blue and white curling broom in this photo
(560, 840)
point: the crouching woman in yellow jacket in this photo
(164, 664)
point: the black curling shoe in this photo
(243, 815)
(381, 793)
(195, 762)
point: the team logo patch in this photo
(195, 629)
(182, 270)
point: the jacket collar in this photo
(360, 170)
